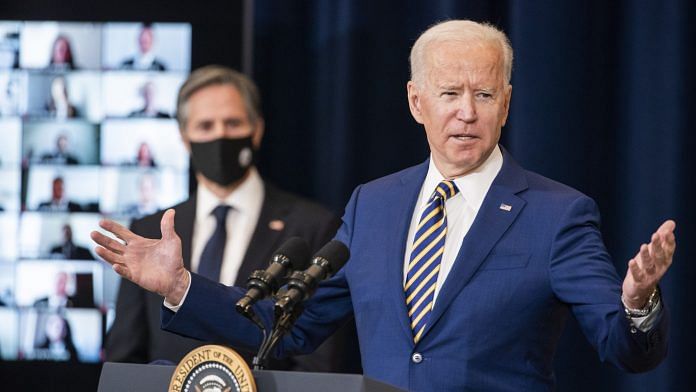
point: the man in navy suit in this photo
(463, 269)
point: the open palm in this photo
(155, 265)
(649, 266)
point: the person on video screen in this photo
(62, 295)
(147, 197)
(145, 60)
(70, 291)
(144, 156)
(58, 202)
(59, 105)
(57, 343)
(68, 250)
(61, 155)
(61, 55)
(147, 92)
(10, 95)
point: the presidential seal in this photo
(212, 369)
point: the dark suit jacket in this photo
(71, 207)
(79, 300)
(156, 65)
(533, 256)
(73, 253)
(141, 113)
(136, 335)
(57, 158)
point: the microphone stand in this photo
(283, 323)
(284, 320)
(249, 313)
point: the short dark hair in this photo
(212, 75)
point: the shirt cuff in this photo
(175, 308)
(646, 323)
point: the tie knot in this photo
(444, 190)
(220, 213)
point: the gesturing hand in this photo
(155, 265)
(649, 266)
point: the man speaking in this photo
(463, 269)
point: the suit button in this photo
(417, 358)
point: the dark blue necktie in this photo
(211, 258)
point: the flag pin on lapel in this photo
(505, 207)
(276, 225)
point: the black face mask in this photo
(223, 161)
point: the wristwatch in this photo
(645, 310)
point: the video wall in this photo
(87, 130)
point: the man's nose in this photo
(219, 130)
(467, 109)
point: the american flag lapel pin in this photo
(276, 225)
(505, 207)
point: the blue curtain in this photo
(601, 95)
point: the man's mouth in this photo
(464, 138)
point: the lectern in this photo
(118, 377)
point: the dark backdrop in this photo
(601, 95)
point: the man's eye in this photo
(206, 126)
(484, 95)
(448, 93)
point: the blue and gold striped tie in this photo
(426, 255)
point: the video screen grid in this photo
(87, 131)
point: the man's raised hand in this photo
(155, 265)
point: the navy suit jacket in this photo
(496, 322)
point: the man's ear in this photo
(508, 96)
(258, 133)
(185, 140)
(414, 103)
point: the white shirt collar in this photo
(473, 186)
(247, 197)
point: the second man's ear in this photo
(185, 140)
(258, 133)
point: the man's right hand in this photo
(155, 265)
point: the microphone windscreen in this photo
(336, 253)
(296, 250)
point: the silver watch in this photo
(645, 310)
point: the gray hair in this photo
(212, 75)
(458, 30)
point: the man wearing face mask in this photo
(231, 225)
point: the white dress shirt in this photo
(246, 202)
(461, 209)
(144, 60)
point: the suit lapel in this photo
(400, 206)
(183, 221)
(264, 239)
(500, 208)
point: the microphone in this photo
(293, 254)
(302, 284)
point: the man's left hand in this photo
(649, 266)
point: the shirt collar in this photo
(248, 196)
(473, 186)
